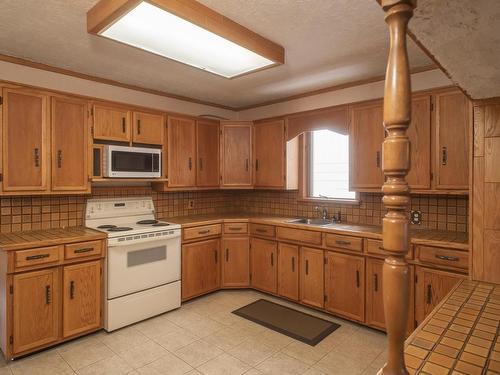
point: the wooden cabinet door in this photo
(70, 145)
(452, 127)
(148, 128)
(419, 133)
(288, 271)
(36, 306)
(111, 123)
(207, 141)
(374, 295)
(366, 135)
(236, 154)
(263, 264)
(269, 154)
(430, 289)
(200, 268)
(25, 132)
(81, 297)
(312, 276)
(345, 286)
(181, 151)
(236, 262)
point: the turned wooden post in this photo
(396, 164)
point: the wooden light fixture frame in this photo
(106, 12)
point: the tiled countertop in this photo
(456, 240)
(461, 335)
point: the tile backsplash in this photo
(39, 212)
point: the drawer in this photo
(300, 235)
(374, 247)
(344, 242)
(235, 228)
(202, 231)
(443, 257)
(33, 257)
(263, 230)
(82, 249)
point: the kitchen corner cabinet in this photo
(181, 149)
(263, 255)
(236, 154)
(200, 268)
(288, 271)
(148, 128)
(345, 285)
(235, 262)
(312, 276)
(207, 150)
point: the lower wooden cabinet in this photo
(235, 262)
(200, 268)
(345, 285)
(81, 297)
(430, 288)
(263, 264)
(288, 271)
(374, 296)
(312, 276)
(36, 305)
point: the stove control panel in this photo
(109, 208)
(144, 237)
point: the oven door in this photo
(134, 162)
(140, 266)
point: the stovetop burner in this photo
(106, 226)
(150, 221)
(160, 224)
(119, 229)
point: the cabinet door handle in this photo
(123, 125)
(375, 282)
(272, 259)
(307, 267)
(38, 256)
(138, 126)
(190, 163)
(293, 264)
(377, 159)
(447, 257)
(246, 165)
(71, 289)
(59, 158)
(256, 164)
(201, 164)
(216, 256)
(47, 295)
(429, 294)
(37, 157)
(227, 255)
(444, 156)
(357, 279)
(84, 250)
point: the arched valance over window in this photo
(333, 118)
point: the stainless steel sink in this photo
(319, 222)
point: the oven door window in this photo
(134, 162)
(139, 257)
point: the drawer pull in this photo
(38, 256)
(71, 289)
(235, 228)
(357, 279)
(204, 231)
(260, 230)
(47, 295)
(84, 250)
(447, 257)
(342, 242)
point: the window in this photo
(329, 166)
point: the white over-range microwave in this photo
(131, 162)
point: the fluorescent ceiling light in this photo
(155, 30)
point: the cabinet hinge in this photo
(1, 177)
(1, 100)
(11, 340)
(325, 260)
(432, 105)
(92, 111)
(11, 289)
(416, 279)
(250, 277)
(92, 130)
(325, 298)
(415, 324)
(432, 176)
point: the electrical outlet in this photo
(416, 217)
(190, 204)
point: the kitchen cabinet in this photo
(374, 296)
(35, 309)
(312, 276)
(452, 141)
(70, 145)
(236, 262)
(181, 149)
(200, 268)
(345, 285)
(430, 288)
(236, 154)
(207, 147)
(288, 271)
(81, 297)
(366, 134)
(148, 128)
(25, 143)
(263, 255)
(111, 123)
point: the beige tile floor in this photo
(203, 337)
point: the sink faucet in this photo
(337, 218)
(323, 211)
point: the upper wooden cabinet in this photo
(207, 147)
(111, 123)
(148, 128)
(25, 143)
(236, 154)
(70, 145)
(181, 149)
(366, 135)
(452, 141)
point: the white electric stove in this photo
(143, 263)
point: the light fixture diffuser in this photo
(164, 29)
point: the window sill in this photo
(353, 202)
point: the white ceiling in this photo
(464, 36)
(327, 42)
